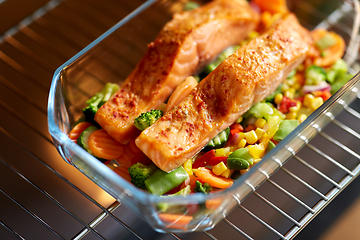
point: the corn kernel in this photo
(284, 87)
(301, 118)
(297, 86)
(219, 168)
(278, 98)
(260, 123)
(295, 108)
(259, 133)
(188, 166)
(290, 93)
(251, 137)
(221, 152)
(257, 151)
(242, 143)
(308, 99)
(264, 139)
(291, 115)
(316, 102)
(243, 171)
(241, 135)
(291, 81)
(227, 173)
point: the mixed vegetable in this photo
(240, 146)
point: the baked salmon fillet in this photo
(184, 45)
(244, 78)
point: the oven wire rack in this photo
(278, 209)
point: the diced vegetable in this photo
(285, 128)
(219, 168)
(140, 172)
(286, 104)
(104, 146)
(339, 67)
(219, 140)
(240, 159)
(203, 160)
(83, 139)
(161, 182)
(257, 150)
(270, 146)
(146, 119)
(95, 102)
(273, 125)
(340, 81)
(314, 75)
(202, 187)
(78, 129)
(188, 166)
(205, 175)
(328, 56)
(216, 160)
(260, 110)
(325, 42)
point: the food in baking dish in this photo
(236, 138)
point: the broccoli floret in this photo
(202, 187)
(146, 119)
(95, 102)
(140, 172)
(314, 75)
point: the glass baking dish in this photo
(111, 58)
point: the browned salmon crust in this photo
(246, 77)
(185, 44)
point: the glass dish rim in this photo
(143, 196)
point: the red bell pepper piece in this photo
(204, 159)
(216, 160)
(285, 104)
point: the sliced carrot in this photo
(328, 56)
(124, 160)
(176, 219)
(206, 175)
(272, 6)
(104, 146)
(123, 172)
(213, 203)
(180, 92)
(77, 130)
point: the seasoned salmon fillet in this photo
(185, 44)
(244, 78)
